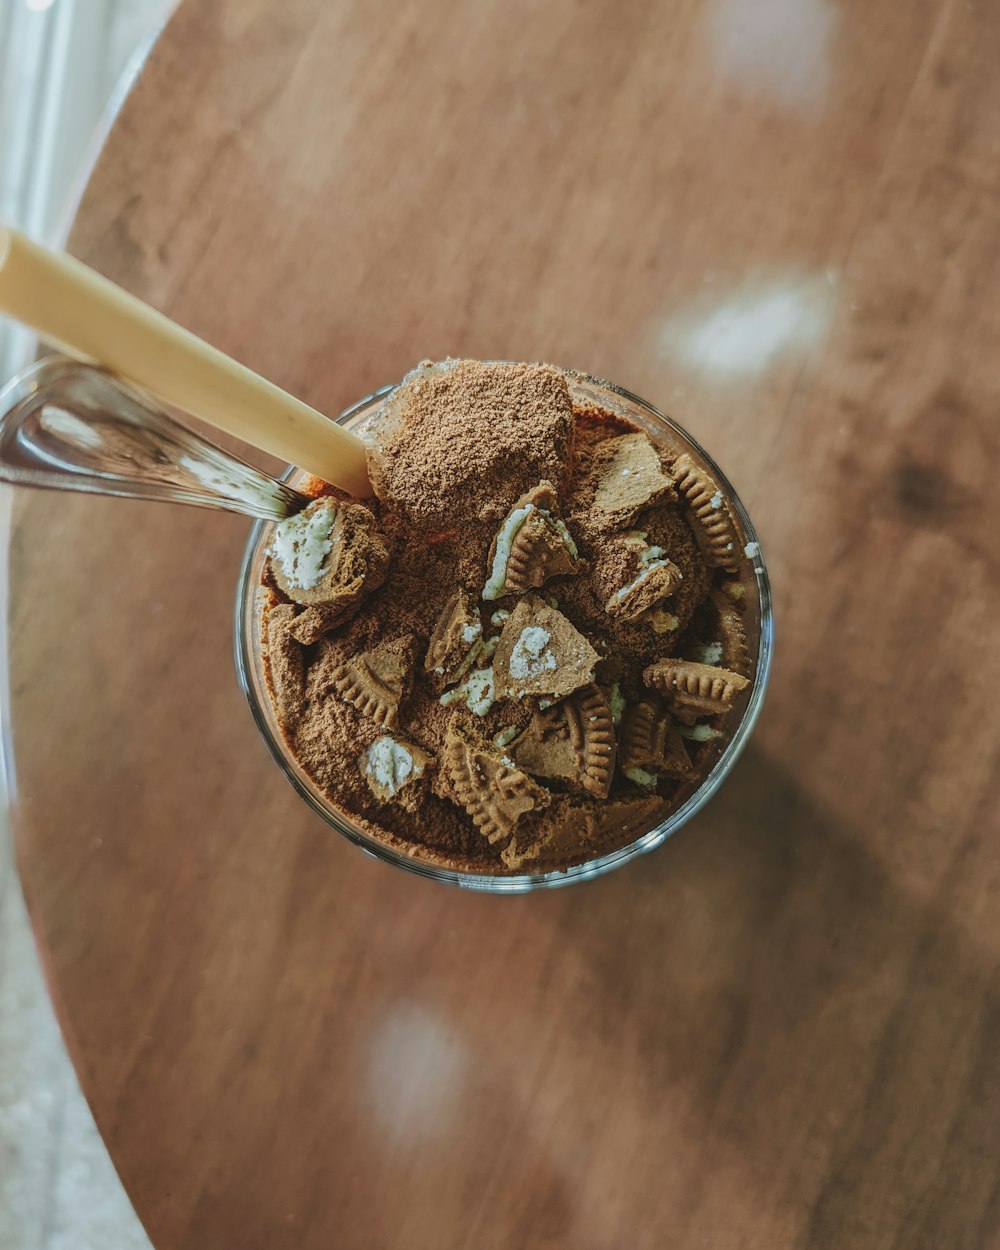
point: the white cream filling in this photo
(531, 656)
(617, 704)
(636, 540)
(711, 653)
(640, 776)
(481, 691)
(391, 765)
(505, 540)
(563, 532)
(478, 692)
(698, 733)
(506, 736)
(626, 590)
(301, 545)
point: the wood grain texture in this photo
(778, 221)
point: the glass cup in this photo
(757, 597)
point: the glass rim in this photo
(245, 653)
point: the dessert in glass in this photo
(537, 650)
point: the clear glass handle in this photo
(71, 426)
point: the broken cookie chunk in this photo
(560, 838)
(391, 766)
(377, 681)
(533, 545)
(327, 558)
(626, 476)
(734, 653)
(541, 653)
(693, 690)
(495, 793)
(572, 741)
(654, 582)
(649, 741)
(713, 519)
(456, 641)
(573, 827)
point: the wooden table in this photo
(777, 220)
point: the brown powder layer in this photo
(440, 536)
(286, 661)
(466, 438)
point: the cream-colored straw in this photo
(76, 309)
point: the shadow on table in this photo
(836, 1030)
